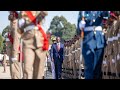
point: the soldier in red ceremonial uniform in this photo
(14, 52)
(35, 43)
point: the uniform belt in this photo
(118, 35)
(115, 38)
(28, 28)
(78, 48)
(73, 51)
(105, 17)
(66, 55)
(104, 62)
(110, 39)
(91, 28)
(7, 39)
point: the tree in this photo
(1, 43)
(2, 38)
(5, 30)
(62, 28)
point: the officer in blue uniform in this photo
(91, 24)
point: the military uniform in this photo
(4, 62)
(52, 63)
(118, 56)
(64, 62)
(34, 55)
(68, 64)
(112, 56)
(106, 64)
(93, 42)
(79, 61)
(116, 48)
(76, 57)
(13, 50)
(73, 59)
(112, 50)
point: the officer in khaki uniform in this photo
(118, 57)
(115, 46)
(107, 53)
(116, 42)
(76, 56)
(119, 46)
(70, 59)
(34, 55)
(4, 62)
(66, 59)
(73, 58)
(110, 63)
(109, 49)
(15, 67)
(79, 66)
(63, 66)
(112, 48)
(67, 63)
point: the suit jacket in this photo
(55, 54)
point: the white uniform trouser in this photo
(52, 68)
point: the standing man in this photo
(14, 38)
(93, 41)
(35, 43)
(57, 55)
(4, 62)
(52, 63)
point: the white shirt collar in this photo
(58, 43)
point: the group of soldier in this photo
(27, 48)
(25, 44)
(72, 66)
(111, 61)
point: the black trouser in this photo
(58, 68)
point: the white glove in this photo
(82, 24)
(104, 31)
(21, 22)
(14, 59)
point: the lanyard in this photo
(33, 19)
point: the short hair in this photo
(57, 37)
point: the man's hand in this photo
(104, 31)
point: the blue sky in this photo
(71, 16)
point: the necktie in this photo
(58, 47)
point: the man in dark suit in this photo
(57, 56)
